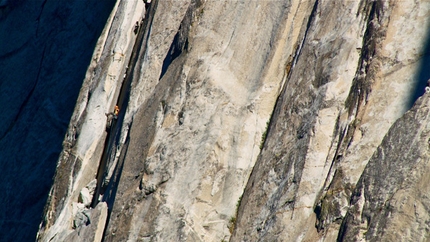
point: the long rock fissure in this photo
(115, 130)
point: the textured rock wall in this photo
(245, 121)
(321, 138)
(391, 200)
(197, 131)
(68, 207)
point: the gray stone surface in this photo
(391, 200)
(84, 142)
(90, 230)
(344, 93)
(250, 121)
(85, 197)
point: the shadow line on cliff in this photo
(423, 72)
(50, 44)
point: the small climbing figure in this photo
(147, 3)
(116, 111)
(136, 27)
(110, 116)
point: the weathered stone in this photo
(92, 186)
(94, 225)
(82, 218)
(85, 197)
(321, 137)
(98, 95)
(301, 93)
(86, 194)
(202, 123)
(391, 200)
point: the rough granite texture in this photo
(249, 121)
(84, 142)
(391, 199)
(321, 137)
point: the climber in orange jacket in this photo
(110, 116)
(116, 111)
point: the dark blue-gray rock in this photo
(45, 49)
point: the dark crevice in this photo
(294, 161)
(174, 51)
(41, 10)
(292, 63)
(115, 128)
(146, 25)
(180, 41)
(38, 17)
(292, 60)
(109, 190)
(30, 94)
(112, 188)
(360, 89)
(308, 26)
(361, 85)
(17, 50)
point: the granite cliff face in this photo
(249, 121)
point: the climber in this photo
(136, 27)
(110, 116)
(147, 3)
(116, 111)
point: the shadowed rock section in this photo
(45, 49)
